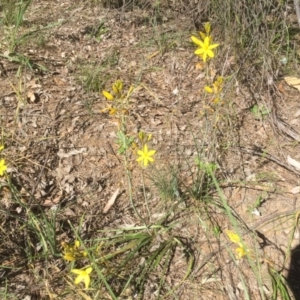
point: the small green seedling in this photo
(253, 209)
(259, 111)
(207, 167)
(123, 141)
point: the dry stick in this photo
(259, 152)
(297, 8)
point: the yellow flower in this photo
(205, 49)
(216, 100)
(72, 252)
(1, 148)
(69, 256)
(233, 237)
(112, 111)
(3, 167)
(208, 89)
(218, 84)
(241, 251)
(108, 95)
(144, 137)
(83, 275)
(215, 88)
(145, 155)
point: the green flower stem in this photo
(145, 196)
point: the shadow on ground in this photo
(293, 277)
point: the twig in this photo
(261, 153)
(297, 8)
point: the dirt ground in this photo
(61, 148)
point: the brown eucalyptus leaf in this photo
(111, 201)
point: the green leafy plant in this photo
(139, 252)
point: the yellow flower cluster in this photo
(205, 51)
(235, 238)
(3, 166)
(215, 89)
(72, 252)
(118, 97)
(205, 46)
(120, 105)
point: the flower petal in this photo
(108, 95)
(78, 279)
(233, 236)
(199, 51)
(140, 152)
(3, 167)
(213, 46)
(77, 271)
(206, 42)
(87, 281)
(241, 251)
(197, 41)
(69, 257)
(208, 89)
(139, 158)
(151, 152)
(210, 53)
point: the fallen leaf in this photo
(293, 82)
(111, 201)
(293, 163)
(32, 97)
(50, 202)
(33, 84)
